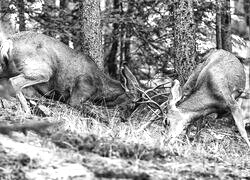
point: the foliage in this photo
(147, 25)
(150, 24)
(150, 32)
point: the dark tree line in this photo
(154, 38)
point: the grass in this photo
(115, 149)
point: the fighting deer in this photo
(59, 72)
(213, 87)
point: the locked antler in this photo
(146, 99)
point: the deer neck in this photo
(109, 91)
(195, 106)
(247, 72)
(112, 88)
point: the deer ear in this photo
(175, 92)
(130, 81)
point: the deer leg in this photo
(238, 118)
(19, 82)
(199, 125)
(234, 106)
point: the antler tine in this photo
(155, 103)
(152, 119)
(160, 94)
(145, 95)
(152, 89)
(148, 100)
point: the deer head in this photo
(176, 118)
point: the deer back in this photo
(68, 75)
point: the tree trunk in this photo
(128, 35)
(247, 17)
(21, 16)
(110, 59)
(223, 25)
(63, 5)
(218, 25)
(121, 37)
(6, 26)
(184, 39)
(91, 35)
(226, 26)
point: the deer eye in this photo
(166, 122)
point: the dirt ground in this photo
(81, 147)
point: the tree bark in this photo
(247, 17)
(121, 37)
(223, 25)
(226, 26)
(91, 36)
(63, 5)
(110, 59)
(184, 39)
(218, 25)
(21, 16)
(128, 35)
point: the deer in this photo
(30, 59)
(214, 87)
(244, 99)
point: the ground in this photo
(104, 147)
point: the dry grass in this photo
(127, 140)
(132, 153)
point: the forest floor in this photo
(81, 147)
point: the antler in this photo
(146, 99)
(158, 86)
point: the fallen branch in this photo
(32, 126)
